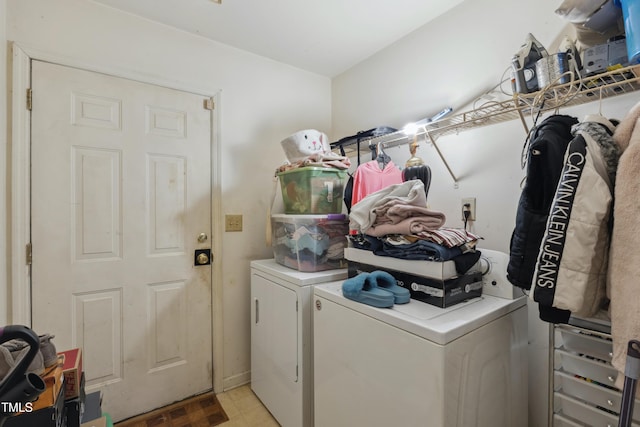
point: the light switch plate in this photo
(233, 223)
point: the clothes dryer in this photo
(282, 341)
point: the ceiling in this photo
(326, 37)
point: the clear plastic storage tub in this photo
(310, 242)
(312, 190)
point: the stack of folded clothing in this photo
(396, 222)
(393, 230)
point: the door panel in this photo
(121, 189)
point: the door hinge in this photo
(29, 254)
(29, 98)
(208, 104)
(296, 305)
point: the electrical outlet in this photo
(233, 223)
(471, 201)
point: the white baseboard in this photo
(236, 380)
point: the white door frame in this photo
(20, 232)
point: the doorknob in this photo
(202, 257)
(202, 237)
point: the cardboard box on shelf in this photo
(74, 408)
(72, 370)
(54, 381)
(50, 416)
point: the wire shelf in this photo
(552, 97)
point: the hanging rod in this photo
(400, 138)
(362, 136)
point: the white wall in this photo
(449, 62)
(262, 102)
(4, 262)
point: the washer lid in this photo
(295, 277)
(440, 325)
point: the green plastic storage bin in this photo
(312, 190)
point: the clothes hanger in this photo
(600, 102)
(610, 124)
(383, 159)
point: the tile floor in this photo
(244, 409)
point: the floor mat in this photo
(199, 411)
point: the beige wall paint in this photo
(449, 63)
(262, 102)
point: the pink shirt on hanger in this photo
(369, 178)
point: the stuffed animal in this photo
(305, 143)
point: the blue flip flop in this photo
(387, 282)
(361, 289)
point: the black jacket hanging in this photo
(548, 144)
(570, 276)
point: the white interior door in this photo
(121, 191)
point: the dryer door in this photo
(274, 348)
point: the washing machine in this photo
(420, 365)
(282, 339)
